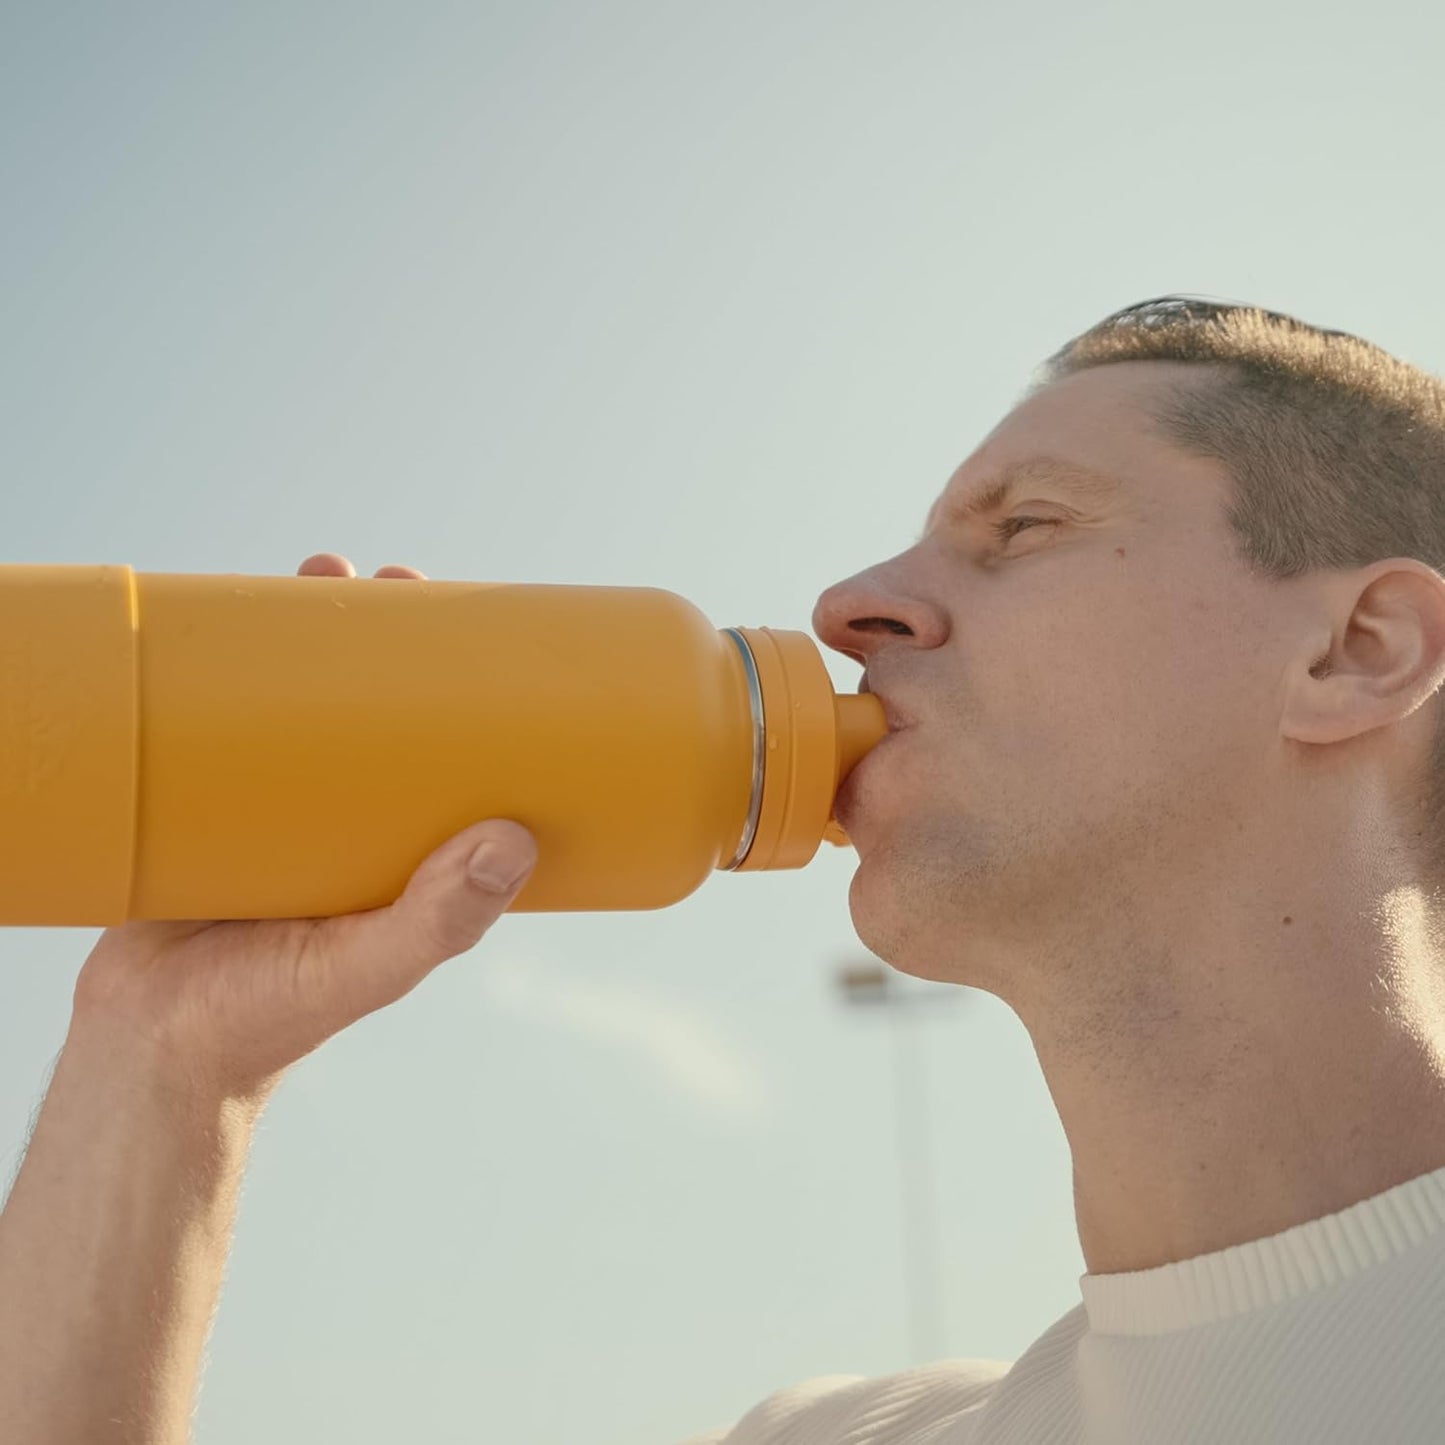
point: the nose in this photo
(856, 616)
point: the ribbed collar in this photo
(1268, 1271)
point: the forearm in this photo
(113, 1246)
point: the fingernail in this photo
(495, 867)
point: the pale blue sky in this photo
(703, 297)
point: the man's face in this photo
(1091, 702)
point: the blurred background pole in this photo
(876, 985)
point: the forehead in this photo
(1090, 437)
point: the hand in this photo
(228, 1006)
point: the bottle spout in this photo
(862, 725)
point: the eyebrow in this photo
(1061, 476)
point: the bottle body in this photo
(195, 746)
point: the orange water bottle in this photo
(228, 746)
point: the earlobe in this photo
(1314, 712)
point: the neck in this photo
(1270, 1055)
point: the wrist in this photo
(144, 1072)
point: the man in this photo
(1163, 671)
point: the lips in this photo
(897, 719)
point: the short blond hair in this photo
(1336, 449)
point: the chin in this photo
(904, 902)
(890, 924)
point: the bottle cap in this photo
(814, 738)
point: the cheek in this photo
(1117, 666)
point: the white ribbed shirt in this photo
(1331, 1333)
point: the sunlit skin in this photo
(1156, 804)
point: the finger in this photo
(326, 564)
(392, 570)
(376, 957)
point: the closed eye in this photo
(1011, 526)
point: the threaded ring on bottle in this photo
(760, 737)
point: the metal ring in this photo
(760, 739)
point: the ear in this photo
(1385, 654)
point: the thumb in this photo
(451, 900)
(456, 895)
